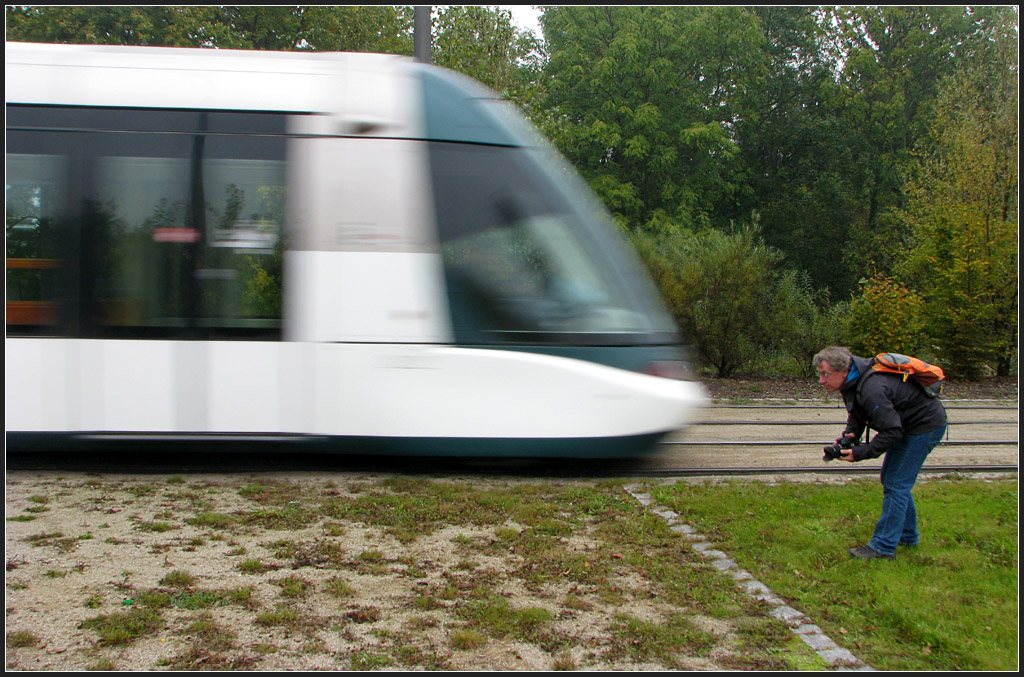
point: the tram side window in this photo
(127, 223)
(186, 251)
(34, 197)
(240, 279)
(141, 232)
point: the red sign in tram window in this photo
(176, 235)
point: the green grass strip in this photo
(949, 604)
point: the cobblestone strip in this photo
(811, 634)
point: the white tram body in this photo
(351, 250)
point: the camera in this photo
(836, 450)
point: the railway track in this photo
(734, 440)
(788, 438)
(804, 470)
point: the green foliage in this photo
(894, 60)
(797, 152)
(482, 42)
(702, 115)
(962, 214)
(323, 28)
(804, 320)
(261, 296)
(628, 92)
(150, 25)
(733, 300)
(887, 317)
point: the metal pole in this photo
(421, 34)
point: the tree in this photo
(482, 42)
(962, 211)
(384, 29)
(795, 152)
(644, 100)
(148, 25)
(893, 60)
(803, 320)
(888, 316)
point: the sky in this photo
(525, 16)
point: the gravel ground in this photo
(808, 389)
(201, 572)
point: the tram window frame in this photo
(83, 137)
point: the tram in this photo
(352, 252)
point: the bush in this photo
(730, 297)
(887, 317)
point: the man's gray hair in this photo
(837, 358)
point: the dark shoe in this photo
(867, 552)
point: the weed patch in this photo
(662, 640)
(496, 617)
(123, 628)
(21, 639)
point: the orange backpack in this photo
(929, 376)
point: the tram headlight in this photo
(678, 370)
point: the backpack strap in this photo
(860, 384)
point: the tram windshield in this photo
(527, 258)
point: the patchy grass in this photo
(339, 587)
(213, 520)
(178, 579)
(120, 629)
(21, 639)
(496, 617)
(664, 640)
(414, 573)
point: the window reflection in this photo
(163, 235)
(154, 250)
(241, 282)
(519, 262)
(34, 192)
(142, 265)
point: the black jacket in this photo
(888, 405)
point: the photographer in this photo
(908, 422)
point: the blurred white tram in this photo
(353, 251)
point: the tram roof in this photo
(211, 79)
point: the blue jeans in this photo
(898, 523)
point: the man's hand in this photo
(847, 453)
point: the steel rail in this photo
(794, 443)
(836, 422)
(991, 403)
(826, 406)
(821, 470)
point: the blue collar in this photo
(854, 372)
